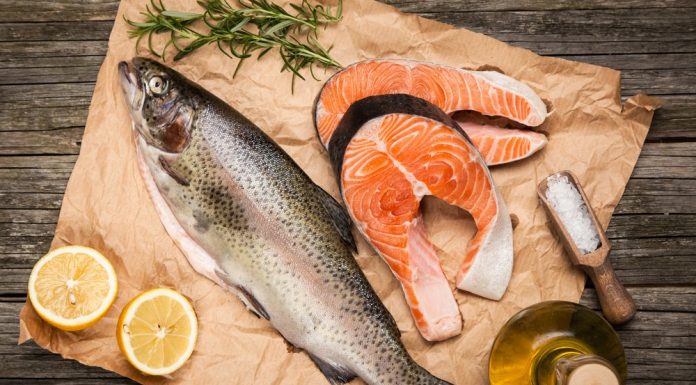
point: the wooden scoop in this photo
(617, 305)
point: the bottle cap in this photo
(592, 373)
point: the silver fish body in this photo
(247, 217)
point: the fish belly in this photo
(200, 259)
(503, 145)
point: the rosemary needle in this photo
(256, 26)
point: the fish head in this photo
(160, 103)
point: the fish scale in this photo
(247, 217)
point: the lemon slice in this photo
(72, 287)
(157, 331)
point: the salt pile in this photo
(567, 202)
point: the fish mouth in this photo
(130, 83)
(133, 91)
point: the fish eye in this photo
(157, 85)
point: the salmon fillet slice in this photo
(451, 89)
(386, 163)
(503, 145)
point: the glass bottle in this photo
(557, 343)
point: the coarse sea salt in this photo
(567, 202)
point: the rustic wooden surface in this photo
(50, 53)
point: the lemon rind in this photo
(127, 316)
(82, 322)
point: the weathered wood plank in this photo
(28, 216)
(23, 245)
(652, 226)
(446, 6)
(673, 161)
(685, 149)
(31, 92)
(577, 32)
(34, 180)
(656, 261)
(52, 99)
(59, 141)
(665, 186)
(657, 167)
(69, 10)
(50, 61)
(49, 75)
(655, 204)
(675, 120)
(44, 118)
(30, 201)
(660, 330)
(654, 299)
(52, 162)
(51, 366)
(20, 230)
(99, 381)
(30, 49)
(55, 31)
(61, 10)
(659, 366)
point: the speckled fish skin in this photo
(247, 217)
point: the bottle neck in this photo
(584, 369)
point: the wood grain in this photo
(50, 53)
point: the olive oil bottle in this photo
(557, 343)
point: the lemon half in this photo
(157, 331)
(72, 287)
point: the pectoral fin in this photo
(335, 373)
(167, 167)
(245, 295)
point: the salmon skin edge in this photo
(372, 107)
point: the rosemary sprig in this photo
(256, 26)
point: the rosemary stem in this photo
(256, 26)
(280, 17)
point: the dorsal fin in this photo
(340, 217)
(335, 373)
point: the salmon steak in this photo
(451, 89)
(390, 151)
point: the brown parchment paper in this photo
(106, 205)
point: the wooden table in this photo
(50, 53)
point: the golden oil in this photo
(546, 343)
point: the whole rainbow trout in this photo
(247, 217)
